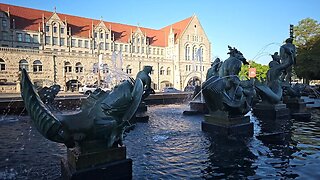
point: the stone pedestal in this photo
(140, 115)
(298, 108)
(93, 161)
(196, 107)
(271, 111)
(219, 123)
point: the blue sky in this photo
(255, 27)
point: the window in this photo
(62, 30)
(35, 39)
(125, 48)
(79, 43)
(111, 46)
(101, 45)
(95, 34)
(28, 38)
(48, 40)
(54, 29)
(47, 28)
(105, 68)
(86, 44)
(79, 68)
(2, 65)
(161, 71)
(107, 46)
(55, 41)
(73, 43)
(158, 51)
(138, 40)
(61, 41)
(19, 37)
(116, 47)
(37, 66)
(142, 50)
(154, 50)
(107, 36)
(133, 49)
(194, 51)
(138, 49)
(4, 35)
(67, 67)
(168, 71)
(121, 47)
(132, 39)
(128, 69)
(187, 52)
(23, 64)
(4, 24)
(101, 35)
(161, 51)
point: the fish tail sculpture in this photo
(45, 122)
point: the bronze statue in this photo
(285, 56)
(103, 115)
(214, 69)
(47, 95)
(146, 80)
(271, 92)
(223, 89)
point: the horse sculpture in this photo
(223, 90)
(103, 115)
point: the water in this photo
(172, 146)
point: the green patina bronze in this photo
(146, 80)
(223, 90)
(103, 116)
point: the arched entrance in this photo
(164, 84)
(192, 83)
(73, 85)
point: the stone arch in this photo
(2, 65)
(78, 67)
(193, 78)
(37, 66)
(67, 67)
(23, 64)
(73, 85)
(164, 84)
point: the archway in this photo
(164, 84)
(192, 83)
(73, 85)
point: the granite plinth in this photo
(220, 124)
(196, 107)
(271, 111)
(92, 160)
(298, 108)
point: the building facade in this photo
(62, 49)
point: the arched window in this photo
(95, 68)
(37, 66)
(67, 67)
(105, 68)
(2, 65)
(128, 69)
(162, 71)
(23, 64)
(194, 52)
(78, 68)
(168, 71)
(202, 55)
(187, 52)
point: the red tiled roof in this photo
(31, 19)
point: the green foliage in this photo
(261, 71)
(307, 40)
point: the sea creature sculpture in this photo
(224, 91)
(271, 92)
(103, 116)
(146, 80)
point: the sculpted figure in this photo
(224, 91)
(146, 80)
(47, 95)
(214, 69)
(285, 57)
(103, 115)
(271, 92)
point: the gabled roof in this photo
(31, 19)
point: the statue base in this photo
(92, 160)
(196, 107)
(298, 108)
(271, 111)
(140, 115)
(219, 123)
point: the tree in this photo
(307, 40)
(261, 70)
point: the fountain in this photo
(94, 135)
(228, 99)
